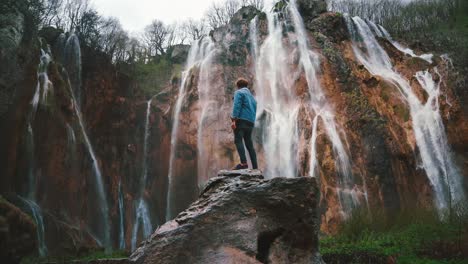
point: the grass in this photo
(413, 236)
(153, 76)
(94, 255)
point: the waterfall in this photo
(72, 62)
(381, 32)
(36, 214)
(142, 215)
(279, 106)
(198, 51)
(428, 127)
(42, 90)
(99, 184)
(209, 108)
(73, 47)
(43, 83)
(121, 218)
(434, 148)
(253, 36)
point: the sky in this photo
(136, 14)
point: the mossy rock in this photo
(417, 64)
(334, 56)
(331, 25)
(402, 112)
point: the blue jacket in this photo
(245, 106)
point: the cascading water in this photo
(142, 215)
(381, 32)
(253, 35)
(121, 218)
(198, 52)
(43, 88)
(209, 113)
(275, 77)
(75, 61)
(434, 148)
(72, 62)
(428, 127)
(277, 104)
(39, 220)
(102, 198)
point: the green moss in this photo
(402, 112)
(359, 106)
(153, 76)
(334, 56)
(385, 93)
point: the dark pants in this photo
(244, 131)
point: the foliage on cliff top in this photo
(430, 25)
(411, 236)
(154, 76)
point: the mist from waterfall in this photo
(429, 131)
(278, 65)
(142, 215)
(199, 51)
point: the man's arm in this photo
(236, 109)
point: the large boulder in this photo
(17, 233)
(241, 218)
(311, 9)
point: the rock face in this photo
(17, 233)
(311, 9)
(242, 218)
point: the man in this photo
(243, 121)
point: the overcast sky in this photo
(136, 14)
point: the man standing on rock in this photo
(243, 121)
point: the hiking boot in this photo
(240, 166)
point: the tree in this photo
(155, 37)
(88, 28)
(74, 11)
(259, 4)
(194, 29)
(219, 14)
(51, 15)
(113, 38)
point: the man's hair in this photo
(241, 83)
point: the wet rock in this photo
(331, 25)
(234, 37)
(241, 218)
(178, 53)
(371, 82)
(11, 33)
(311, 9)
(17, 233)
